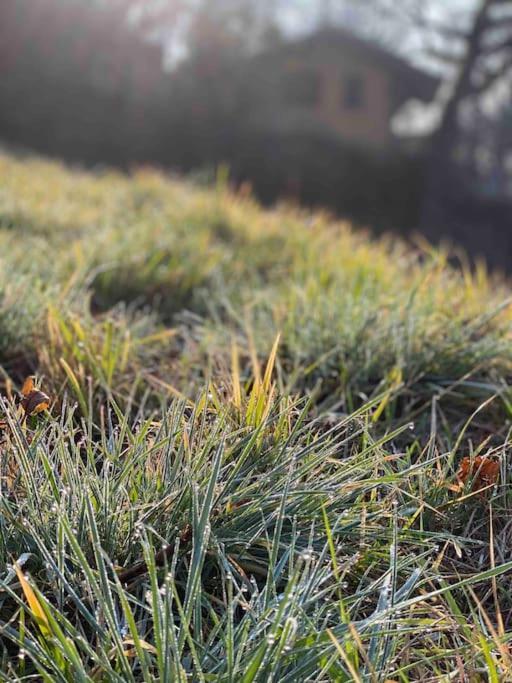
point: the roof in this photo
(411, 81)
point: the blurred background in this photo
(395, 115)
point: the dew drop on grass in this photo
(307, 555)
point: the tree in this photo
(201, 28)
(477, 54)
(469, 43)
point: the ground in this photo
(265, 447)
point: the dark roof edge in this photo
(349, 37)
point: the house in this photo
(333, 82)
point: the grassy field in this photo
(249, 465)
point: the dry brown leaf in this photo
(482, 470)
(28, 387)
(34, 400)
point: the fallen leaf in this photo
(34, 400)
(28, 387)
(483, 471)
(143, 644)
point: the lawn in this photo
(260, 446)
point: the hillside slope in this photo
(265, 445)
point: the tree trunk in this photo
(443, 182)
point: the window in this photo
(353, 92)
(302, 87)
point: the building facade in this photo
(336, 83)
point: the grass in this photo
(248, 471)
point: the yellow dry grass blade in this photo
(161, 336)
(395, 380)
(132, 652)
(235, 376)
(253, 354)
(75, 385)
(356, 677)
(33, 603)
(270, 365)
(262, 394)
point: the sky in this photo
(301, 16)
(298, 16)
